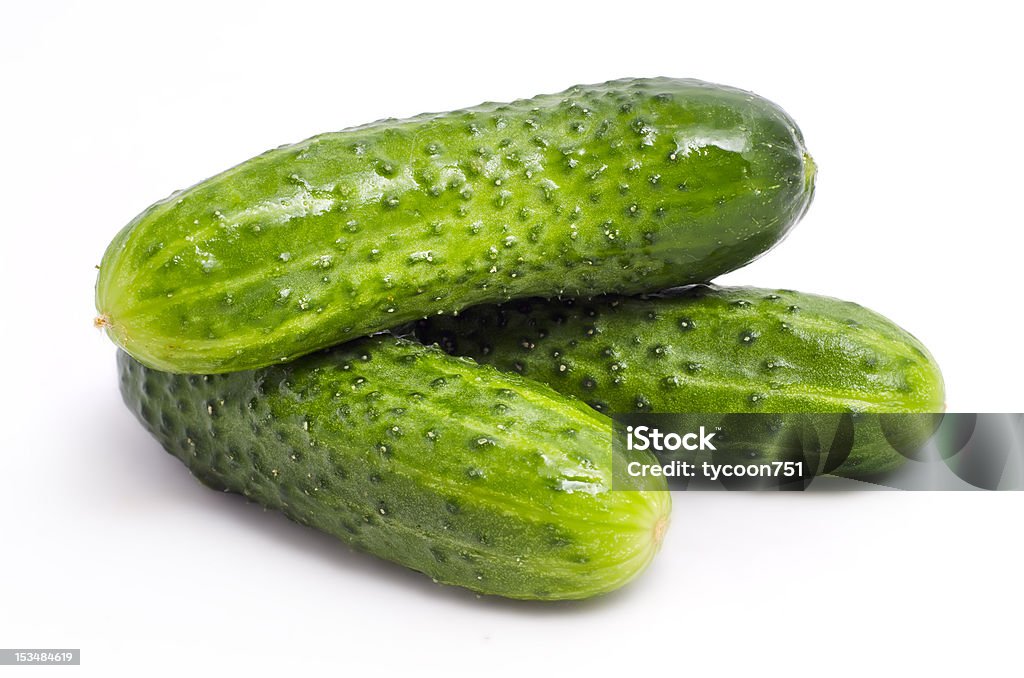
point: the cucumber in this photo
(474, 477)
(628, 186)
(708, 349)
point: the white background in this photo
(912, 113)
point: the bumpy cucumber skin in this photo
(623, 187)
(710, 349)
(477, 478)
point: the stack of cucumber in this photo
(410, 334)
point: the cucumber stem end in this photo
(660, 528)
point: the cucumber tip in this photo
(810, 169)
(660, 528)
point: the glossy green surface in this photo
(475, 477)
(709, 349)
(628, 186)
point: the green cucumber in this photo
(709, 349)
(626, 187)
(474, 477)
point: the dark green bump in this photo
(659, 351)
